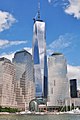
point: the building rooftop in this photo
(56, 54)
(4, 59)
(40, 20)
(22, 51)
(37, 20)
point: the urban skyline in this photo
(17, 85)
(62, 29)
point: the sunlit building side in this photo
(58, 86)
(7, 84)
(40, 58)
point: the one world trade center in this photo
(40, 57)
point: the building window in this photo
(51, 90)
(54, 83)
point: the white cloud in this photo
(73, 8)
(64, 41)
(49, 1)
(28, 49)
(60, 43)
(7, 43)
(54, 1)
(8, 56)
(6, 20)
(74, 73)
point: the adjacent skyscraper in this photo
(7, 83)
(39, 56)
(73, 88)
(58, 86)
(24, 77)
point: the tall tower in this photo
(57, 80)
(24, 76)
(73, 88)
(7, 83)
(39, 55)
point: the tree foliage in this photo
(8, 109)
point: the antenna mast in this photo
(38, 9)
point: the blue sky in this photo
(62, 19)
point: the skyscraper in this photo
(58, 85)
(24, 75)
(39, 56)
(7, 83)
(73, 88)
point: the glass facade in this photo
(40, 58)
(24, 76)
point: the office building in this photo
(24, 77)
(58, 86)
(73, 88)
(7, 84)
(39, 56)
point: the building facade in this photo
(7, 84)
(73, 88)
(78, 93)
(58, 86)
(40, 58)
(24, 77)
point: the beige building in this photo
(19, 96)
(7, 80)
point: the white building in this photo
(58, 87)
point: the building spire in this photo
(37, 17)
(38, 9)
